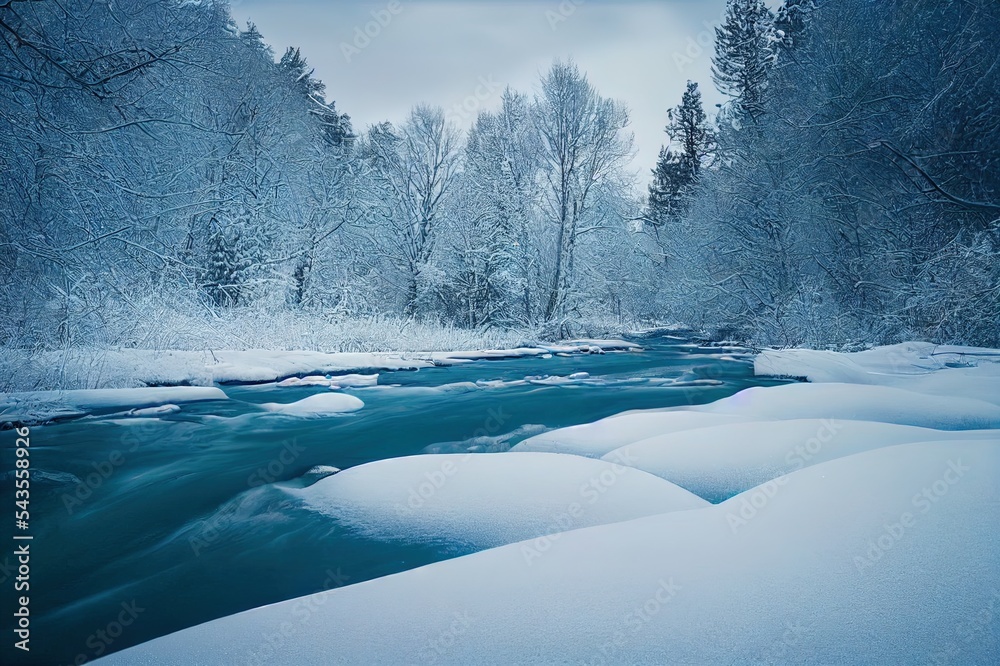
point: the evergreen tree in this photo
(688, 128)
(335, 127)
(680, 164)
(744, 52)
(666, 192)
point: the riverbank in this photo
(849, 521)
(168, 378)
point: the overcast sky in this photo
(447, 51)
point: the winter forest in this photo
(631, 360)
(167, 178)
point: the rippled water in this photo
(184, 518)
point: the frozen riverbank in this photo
(846, 526)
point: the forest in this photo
(166, 175)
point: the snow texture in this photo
(881, 557)
(41, 406)
(486, 500)
(320, 404)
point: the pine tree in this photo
(692, 143)
(666, 192)
(335, 126)
(744, 52)
(688, 128)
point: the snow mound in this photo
(886, 557)
(858, 402)
(601, 437)
(317, 405)
(487, 500)
(967, 372)
(40, 406)
(719, 462)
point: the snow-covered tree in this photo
(416, 167)
(680, 164)
(496, 245)
(584, 142)
(744, 53)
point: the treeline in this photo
(158, 158)
(850, 190)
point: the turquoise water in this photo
(143, 527)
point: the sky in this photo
(379, 59)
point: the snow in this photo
(855, 523)
(600, 438)
(40, 406)
(721, 461)
(131, 367)
(860, 402)
(885, 557)
(267, 366)
(968, 372)
(571, 348)
(486, 500)
(331, 381)
(320, 404)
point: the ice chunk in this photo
(44, 405)
(331, 381)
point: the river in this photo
(172, 521)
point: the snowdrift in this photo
(886, 557)
(484, 500)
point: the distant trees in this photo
(489, 233)
(495, 248)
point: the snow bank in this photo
(885, 557)
(859, 403)
(570, 348)
(321, 404)
(46, 405)
(600, 438)
(134, 367)
(719, 462)
(968, 372)
(266, 366)
(486, 500)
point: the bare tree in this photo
(418, 167)
(583, 143)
